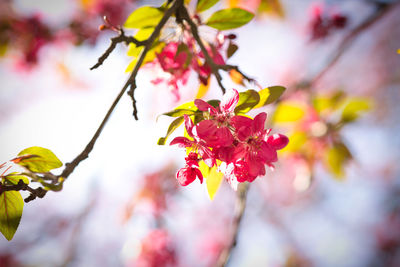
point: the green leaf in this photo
(38, 159)
(11, 207)
(203, 89)
(288, 112)
(203, 5)
(354, 107)
(269, 95)
(186, 108)
(230, 18)
(336, 158)
(172, 127)
(14, 178)
(247, 100)
(213, 181)
(143, 17)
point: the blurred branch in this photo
(70, 167)
(381, 11)
(240, 207)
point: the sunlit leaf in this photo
(271, 7)
(14, 178)
(11, 207)
(213, 181)
(231, 18)
(203, 89)
(269, 95)
(203, 5)
(172, 127)
(42, 160)
(150, 56)
(297, 141)
(142, 17)
(288, 112)
(336, 158)
(247, 100)
(354, 108)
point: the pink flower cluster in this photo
(239, 146)
(179, 63)
(323, 22)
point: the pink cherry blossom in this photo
(196, 144)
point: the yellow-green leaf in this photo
(297, 140)
(142, 17)
(14, 178)
(354, 107)
(11, 207)
(271, 7)
(203, 89)
(150, 56)
(288, 112)
(336, 158)
(230, 18)
(247, 100)
(172, 127)
(213, 181)
(41, 160)
(269, 95)
(203, 5)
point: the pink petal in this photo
(199, 174)
(181, 142)
(204, 106)
(229, 101)
(267, 154)
(277, 141)
(188, 125)
(259, 122)
(185, 176)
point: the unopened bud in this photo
(232, 36)
(102, 27)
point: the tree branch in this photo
(193, 28)
(121, 38)
(21, 186)
(70, 167)
(348, 40)
(240, 207)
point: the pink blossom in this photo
(255, 150)
(197, 144)
(215, 132)
(190, 172)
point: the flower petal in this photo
(181, 142)
(185, 176)
(277, 141)
(204, 106)
(229, 101)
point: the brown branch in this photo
(132, 79)
(240, 207)
(121, 38)
(70, 167)
(193, 28)
(21, 186)
(348, 40)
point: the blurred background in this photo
(333, 199)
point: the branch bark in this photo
(224, 257)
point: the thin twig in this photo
(70, 167)
(21, 186)
(132, 79)
(121, 38)
(240, 207)
(193, 28)
(349, 39)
